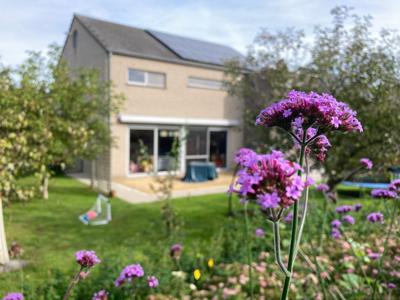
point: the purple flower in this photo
(319, 110)
(391, 285)
(375, 217)
(175, 251)
(382, 193)
(288, 218)
(323, 187)
(374, 255)
(245, 157)
(357, 207)
(152, 282)
(268, 200)
(336, 224)
(335, 233)
(395, 186)
(349, 219)
(128, 273)
(14, 296)
(287, 113)
(86, 258)
(309, 182)
(270, 179)
(344, 209)
(260, 233)
(100, 295)
(366, 163)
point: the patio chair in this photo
(99, 214)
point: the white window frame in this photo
(200, 86)
(146, 79)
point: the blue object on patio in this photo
(367, 185)
(200, 171)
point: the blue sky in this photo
(34, 24)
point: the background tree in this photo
(344, 59)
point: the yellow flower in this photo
(197, 274)
(210, 263)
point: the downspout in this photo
(109, 124)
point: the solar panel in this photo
(195, 50)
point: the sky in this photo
(34, 24)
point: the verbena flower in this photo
(383, 194)
(375, 217)
(335, 233)
(175, 251)
(321, 111)
(323, 187)
(269, 179)
(344, 209)
(395, 186)
(288, 218)
(128, 273)
(260, 233)
(336, 224)
(357, 207)
(391, 285)
(14, 296)
(152, 282)
(366, 163)
(86, 258)
(349, 219)
(100, 295)
(374, 255)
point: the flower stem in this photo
(277, 244)
(72, 284)
(248, 248)
(293, 239)
(385, 245)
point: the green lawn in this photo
(50, 232)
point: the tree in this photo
(345, 60)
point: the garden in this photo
(278, 233)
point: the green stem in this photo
(385, 245)
(72, 284)
(248, 249)
(293, 239)
(230, 206)
(277, 247)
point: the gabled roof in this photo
(131, 41)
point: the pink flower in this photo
(128, 273)
(100, 295)
(86, 258)
(152, 281)
(14, 296)
(366, 163)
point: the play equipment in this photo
(99, 214)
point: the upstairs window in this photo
(145, 78)
(75, 39)
(204, 83)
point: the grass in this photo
(50, 232)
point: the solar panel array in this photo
(195, 50)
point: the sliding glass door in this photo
(141, 151)
(217, 147)
(166, 138)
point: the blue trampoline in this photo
(367, 185)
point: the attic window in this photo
(145, 78)
(204, 83)
(75, 39)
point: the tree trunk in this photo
(93, 175)
(4, 257)
(45, 187)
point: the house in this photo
(173, 87)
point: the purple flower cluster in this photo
(14, 296)
(395, 186)
(323, 187)
(260, 233)
(383, 194)
(152, 282)
(366, 163)
(357, 207)
(336, 223)
(335, 233)
(349, 219)
(344, 209)
(128, 273)
(86, 258)
(175, 251)
(310, 109)
(375, 217)
(269, 178)
(100, 295)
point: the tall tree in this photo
(345, 60)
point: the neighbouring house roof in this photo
(131, 41)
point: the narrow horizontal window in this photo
(204, 83)
(146, 78)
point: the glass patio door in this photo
(218, 147)
(165, 141)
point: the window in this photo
(141, 151)
(145, 78)
(75, 39)
(218, 146)
(204, 83)
(196, 141)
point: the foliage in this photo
(345, 60)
